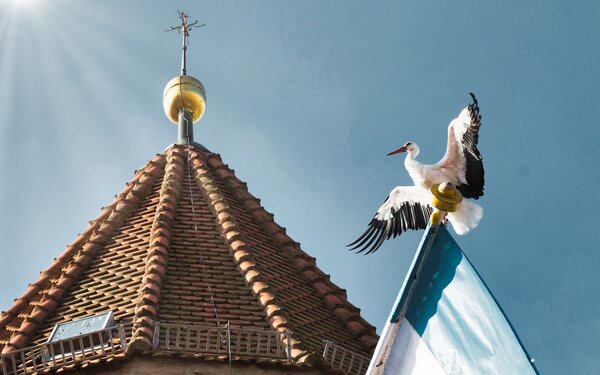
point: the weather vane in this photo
(184, 29)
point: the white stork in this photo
(409, 207)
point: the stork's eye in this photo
(408, 144)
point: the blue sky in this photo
(304, 100)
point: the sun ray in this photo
(7, 67)
(57, 57)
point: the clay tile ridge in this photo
(242, 254)
(77, 257)
(156, 261)
(333, 297)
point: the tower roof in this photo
(185, 243)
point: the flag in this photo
(446, 321)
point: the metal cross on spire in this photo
(184, 29)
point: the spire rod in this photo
(184, 29)
(184, 97)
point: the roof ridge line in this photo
(95, 235)
(243, 258)
(160, 242)
(333, 296)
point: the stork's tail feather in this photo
(466, 218)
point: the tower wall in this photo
(192, 366)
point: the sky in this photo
(304, 100)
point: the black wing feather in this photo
(474, 171)
(413, 216)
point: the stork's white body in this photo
(407, 207)
(451, 168)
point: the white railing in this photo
(223, 339)
(217, 340)
(350, 362)
(74, 350)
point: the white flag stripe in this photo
(411, 356)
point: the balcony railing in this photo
(74, 350)
(212, 340)
(350, 362)
(222, 340)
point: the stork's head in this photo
(409, 147)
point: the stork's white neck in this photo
(410, 160)
(411, 153)
(414, 168)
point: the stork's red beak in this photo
(398, 151)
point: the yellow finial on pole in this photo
(446, 198)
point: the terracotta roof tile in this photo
(186, 243)
(160, 240)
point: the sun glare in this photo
(22, 2)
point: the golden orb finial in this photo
(184, 93)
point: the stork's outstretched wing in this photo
(462, 154)
(407, 207)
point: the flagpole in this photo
(445, 199)
(393, 323)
